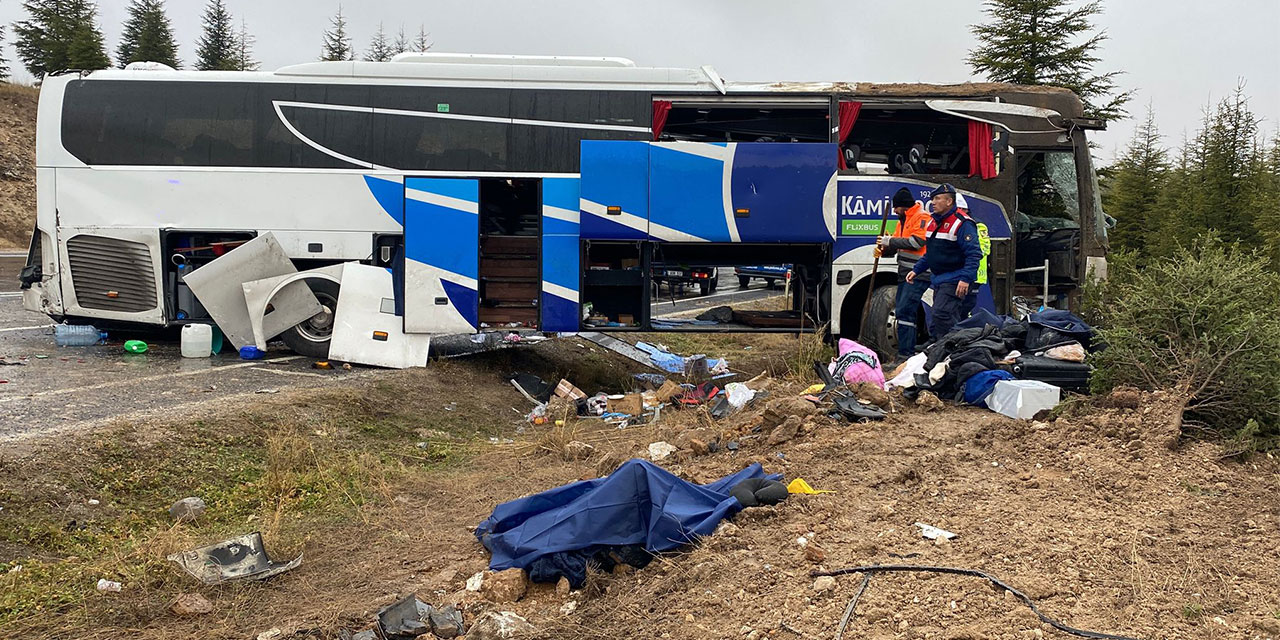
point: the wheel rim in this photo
(319, 328)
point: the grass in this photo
(289, 471)
(1192, 611)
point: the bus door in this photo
(441, 255)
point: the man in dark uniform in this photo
(952, 255)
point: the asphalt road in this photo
(46, 390)
(688, 299)
(55, 389)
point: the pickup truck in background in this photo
(673, 275)
(770, 273)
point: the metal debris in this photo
(239, 558)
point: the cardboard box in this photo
(668, 392)
(630, 263)
(566, 390)
(626, 318)
(630, 404)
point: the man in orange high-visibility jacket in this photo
(908, 243)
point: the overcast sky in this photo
(1177, 55)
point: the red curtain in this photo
(982, 161)
(660, 110)
(848, 115)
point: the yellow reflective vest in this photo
(984, 241)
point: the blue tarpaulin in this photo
(640, 503)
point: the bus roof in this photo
(569, 72)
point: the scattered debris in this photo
(824, 583)
(721, 314)
(1023, 399)
(135, 346)
(251, 352)
(873, 394)
(566, 389)
(800, 486)
(933, 533)
(109, 586)
(446, 622)
(93, 502)
(239, 558)
(267, 391)
(739, 395)
(271, 634)
(191, 604)
(187, 509)
(475, 581)
(569, 607)
(659, 451)
(408, 617)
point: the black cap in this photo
(903, 198)
(943, 188)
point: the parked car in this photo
(770, 274)
(707, 278)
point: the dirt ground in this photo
(1090, 513)
(17, 164)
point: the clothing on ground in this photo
(856, 363)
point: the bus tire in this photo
(310, 337)
(879, 332)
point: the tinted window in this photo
(123, 122)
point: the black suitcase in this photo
(1071, 376)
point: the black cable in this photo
(884, 568)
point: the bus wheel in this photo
(879, 332)
(311, 337)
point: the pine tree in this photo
(1138, 176)
(401, 44)
(244, 50)
(4, 64)
(1038, 42)
(379, 49)
(148, 35)
(422, 42)
(337, 43)
(216, 48)
(59, 35)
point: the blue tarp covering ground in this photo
(640, 503)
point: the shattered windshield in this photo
(1048, 190)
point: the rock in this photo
(446, 622)
(813, 553)
(191, 604)
(688, 617)
(726, 528)
(871, 392)
(500, 625)
(563, 587)
(576, 450)
(187, 509)
(699, 447)
(824, 583)
(446, 578)
(475, 581)
(661, 451)
(779, 410)
(503, 586)
(568, 607)
(929, 401)
(271, 634)
(785, 431)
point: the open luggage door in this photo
(441, 255)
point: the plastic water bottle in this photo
(197, 341)
(78, 335)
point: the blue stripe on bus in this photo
(465, 300)
(562, 193)
(615, 173)
(390, 196)
(558, 314)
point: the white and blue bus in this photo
(538, 191)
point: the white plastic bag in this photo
(739, 394)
